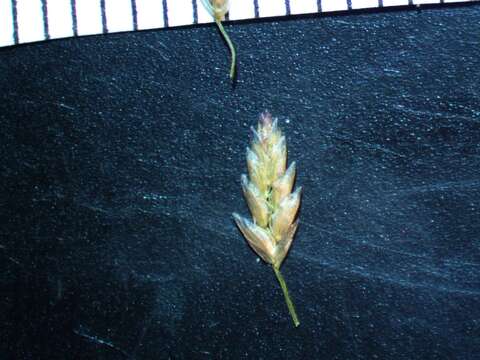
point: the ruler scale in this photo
(24, 21)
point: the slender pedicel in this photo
(218, 9)
(272, 204)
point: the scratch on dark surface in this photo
(362, 144)
(362, 243)
(378, 147)
(371, 275)
(96, 340)
(94, 208)
(441, 186)
(146, 326)
(164, 57)
(349, 325)
(404, 253)
(155, 197)
(110, 83)
(14, 260)
(183, 169)
(427, 267)
(461, 263)
(65, 106)
(151, 277)
(11, 258)
(433, 113)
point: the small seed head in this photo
(269, 193)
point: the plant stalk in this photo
(231, 47)
(288, 300)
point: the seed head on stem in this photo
(273, 206)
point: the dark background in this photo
(120, 164)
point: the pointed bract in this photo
(283, 186)
(265, 125)
(256, 171)
(283, 217)
(256, 203)
(279, 158)
(259, 147)
(281, 249)
(259, 239)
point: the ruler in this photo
(25, 21)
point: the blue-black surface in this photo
(120, 165)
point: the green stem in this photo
(289, 302)
(231, 47)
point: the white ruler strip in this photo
(268, 8)
(30, 20)
(202, 13)
(179, 12)
(60, 21)
(149, 14)
(23, 21)
(119, 15)
(304, 7)
(88, 15)
(6, 24)
(243, 9)
(395, 2)
(334, 5)
(364, 4)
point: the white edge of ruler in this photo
(26, 21)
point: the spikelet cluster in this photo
(268, 191)
(217, 8)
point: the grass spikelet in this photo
(272, 204)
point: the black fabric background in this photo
(120, 164)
